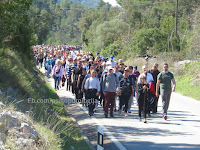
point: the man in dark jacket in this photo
(154, 71)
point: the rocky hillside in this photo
(42, 125)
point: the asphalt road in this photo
(180, 131)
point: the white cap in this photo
(110, 67)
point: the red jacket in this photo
(151, 85)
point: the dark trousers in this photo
(109, 101)
(154, 106)
(68, 85)
(102, 99)
(73, 88)
(143, 106)
(124, 101)
(91, 99)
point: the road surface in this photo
(181, 131)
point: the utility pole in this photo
(176, 18)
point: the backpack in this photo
(114, 74)
(126, 87)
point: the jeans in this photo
(130, 102)
(57, 81)
(48, 70)
(165, 94)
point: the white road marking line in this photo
(106, 131)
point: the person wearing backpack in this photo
(126, 86)
(109, 84)
(57, 74)
(164, 82)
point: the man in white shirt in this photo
(149, 76)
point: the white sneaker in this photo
(125, 114)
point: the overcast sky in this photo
(112, 2)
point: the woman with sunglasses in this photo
(126, 87)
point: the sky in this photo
(112, 2)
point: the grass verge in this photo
(187, 76)
(19, 73)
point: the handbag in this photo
(119, 92)
(57, 72)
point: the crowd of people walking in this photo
(95, 80)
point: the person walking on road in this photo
(143, 97)
(154, 71)
(92, 86)
(164, 82)
(126, 86)
(109, 84)
(57, 74)
(134, 82)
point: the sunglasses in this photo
(126, 70)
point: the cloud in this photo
(112, 2)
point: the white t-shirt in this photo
(149, 78)
(118, 74)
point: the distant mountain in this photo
(90, 3)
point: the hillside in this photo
(20, 83)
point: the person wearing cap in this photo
(135, 72)
(109, 84)
(98, 57)
(111, 62)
